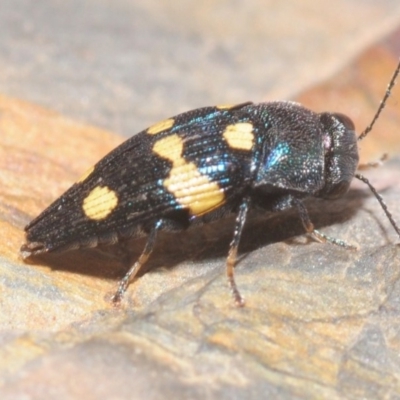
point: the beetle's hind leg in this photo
(314, 233)
(176, 221)
(133, 271)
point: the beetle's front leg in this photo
(314, 233)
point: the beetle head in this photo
(341, 154)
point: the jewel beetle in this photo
(197, 167)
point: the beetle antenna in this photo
(382, 105)
(373, 164)
(381, 202)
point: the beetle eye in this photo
(345, 120)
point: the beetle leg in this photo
(314, 233)
(133, 271)
(232, 255)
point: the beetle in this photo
(197, 167)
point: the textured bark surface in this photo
(319, 322)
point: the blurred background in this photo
(124, 64)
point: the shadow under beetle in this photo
(201, 165)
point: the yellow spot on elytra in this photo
(99, 203)
(239, 136)
(161, 126)
(190, 188)
(225, 106)
(85, 175)
(231, 106)
(171, 148)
